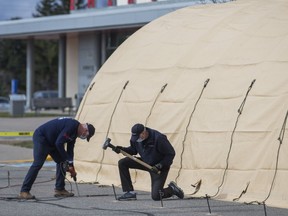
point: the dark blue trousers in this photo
(157, 181)
(41, 150)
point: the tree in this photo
(46, 51)
(12, 65)
(52, 7)
(13, 54)
(80, 4)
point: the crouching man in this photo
(155, 150)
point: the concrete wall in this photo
(89, 59)
(72, 66)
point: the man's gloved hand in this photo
(72, 171)
(65, 166)
(156, 168)
(117, 149)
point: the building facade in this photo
(87, 37)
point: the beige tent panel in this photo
(213, 78)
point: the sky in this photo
(17, 8)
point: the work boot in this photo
(25, 195)
(176, 190)
(63, 193)
(127, 196)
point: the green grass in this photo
(7, 115)
(24, 144)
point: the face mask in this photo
(83, 137)
(140, 140)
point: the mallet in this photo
(108, 144)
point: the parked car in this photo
(46, 94)
(4, 104)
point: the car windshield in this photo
(4, 100)
(46, 94)
(4, 104)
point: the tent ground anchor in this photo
(207, 198)
(264, 205)
(161, 200)
(114, 192)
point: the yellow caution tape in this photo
(14, 133)
(17, 161)
(24, 161)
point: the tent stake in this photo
(114, 192)
(161, 195)
(265, 208)
(8, 178)
(207, 198)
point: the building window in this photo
(115, 38)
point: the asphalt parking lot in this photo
(94, 199)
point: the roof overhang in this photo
(113, 17)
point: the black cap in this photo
(91, 130)
(136, 130)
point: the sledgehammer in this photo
(108, 144)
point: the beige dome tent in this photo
(213, 78)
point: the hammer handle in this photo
(137, 160)
(108, 144)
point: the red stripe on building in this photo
(72, 5)
(91, 3)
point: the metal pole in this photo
(114, 192)
(265, 208)
(8, 178)
(161, 195)
(207, 198)
(75, 180)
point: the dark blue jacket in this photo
(155, 149)
(59, 131)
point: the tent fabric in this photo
(213, 78)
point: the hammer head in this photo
(106, 143)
